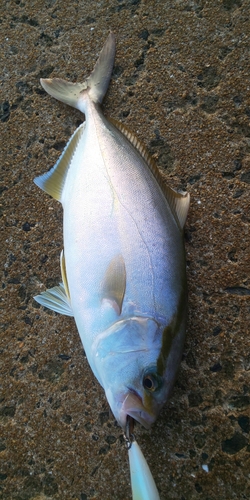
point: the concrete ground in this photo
(181, 82)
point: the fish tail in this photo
(96, 84)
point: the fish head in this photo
(126, 357)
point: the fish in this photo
(123, 263)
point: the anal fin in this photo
(52, 182)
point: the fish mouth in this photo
(133, 406)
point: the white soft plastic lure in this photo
(123, 264)
(142, 482)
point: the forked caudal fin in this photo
(96, 84)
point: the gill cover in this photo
(130, 335)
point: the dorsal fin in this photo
(178, 202)
(52, 182)
(114, 283)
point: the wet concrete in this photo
(181, 82)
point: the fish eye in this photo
(150, 382)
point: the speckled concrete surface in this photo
(181, 81)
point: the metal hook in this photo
(128, 435)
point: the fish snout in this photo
(130, 404)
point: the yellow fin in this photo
(52, 182)
(178, 202)
(114, 283)
(64, 275)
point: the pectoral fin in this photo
(114, 283)
(52, 182)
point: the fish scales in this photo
(99, 223)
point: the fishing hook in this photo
(128, 434)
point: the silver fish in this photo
(123, 264)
